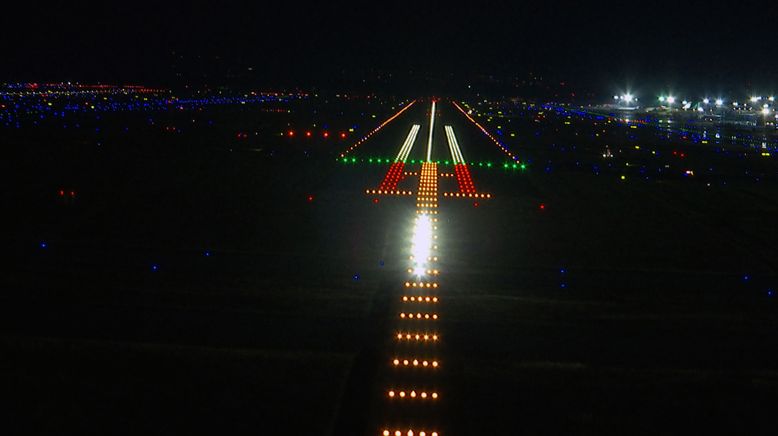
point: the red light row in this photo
(393, 176)
(464, 179)
(309, 134)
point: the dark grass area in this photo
(65, 386)
(622, 307)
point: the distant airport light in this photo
(627, 97)
(719, 102)
(766, 111)
(771, 98)
(671, 99)
(755, 99)
(706, 100)
(662, 99)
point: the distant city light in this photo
(671, 99)
(719, 102)
(706, 100)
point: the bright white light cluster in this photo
(421, 247)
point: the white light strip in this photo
(429, 140)
(453, 145)
(405, 150)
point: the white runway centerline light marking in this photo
(432, 126)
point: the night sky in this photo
(700, 46)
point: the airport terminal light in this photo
(627, 97)
(670, 99)
(719, 102)
(766, 111)
(755, 99)
(662, 99)
(771, 98)
(706, 100)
